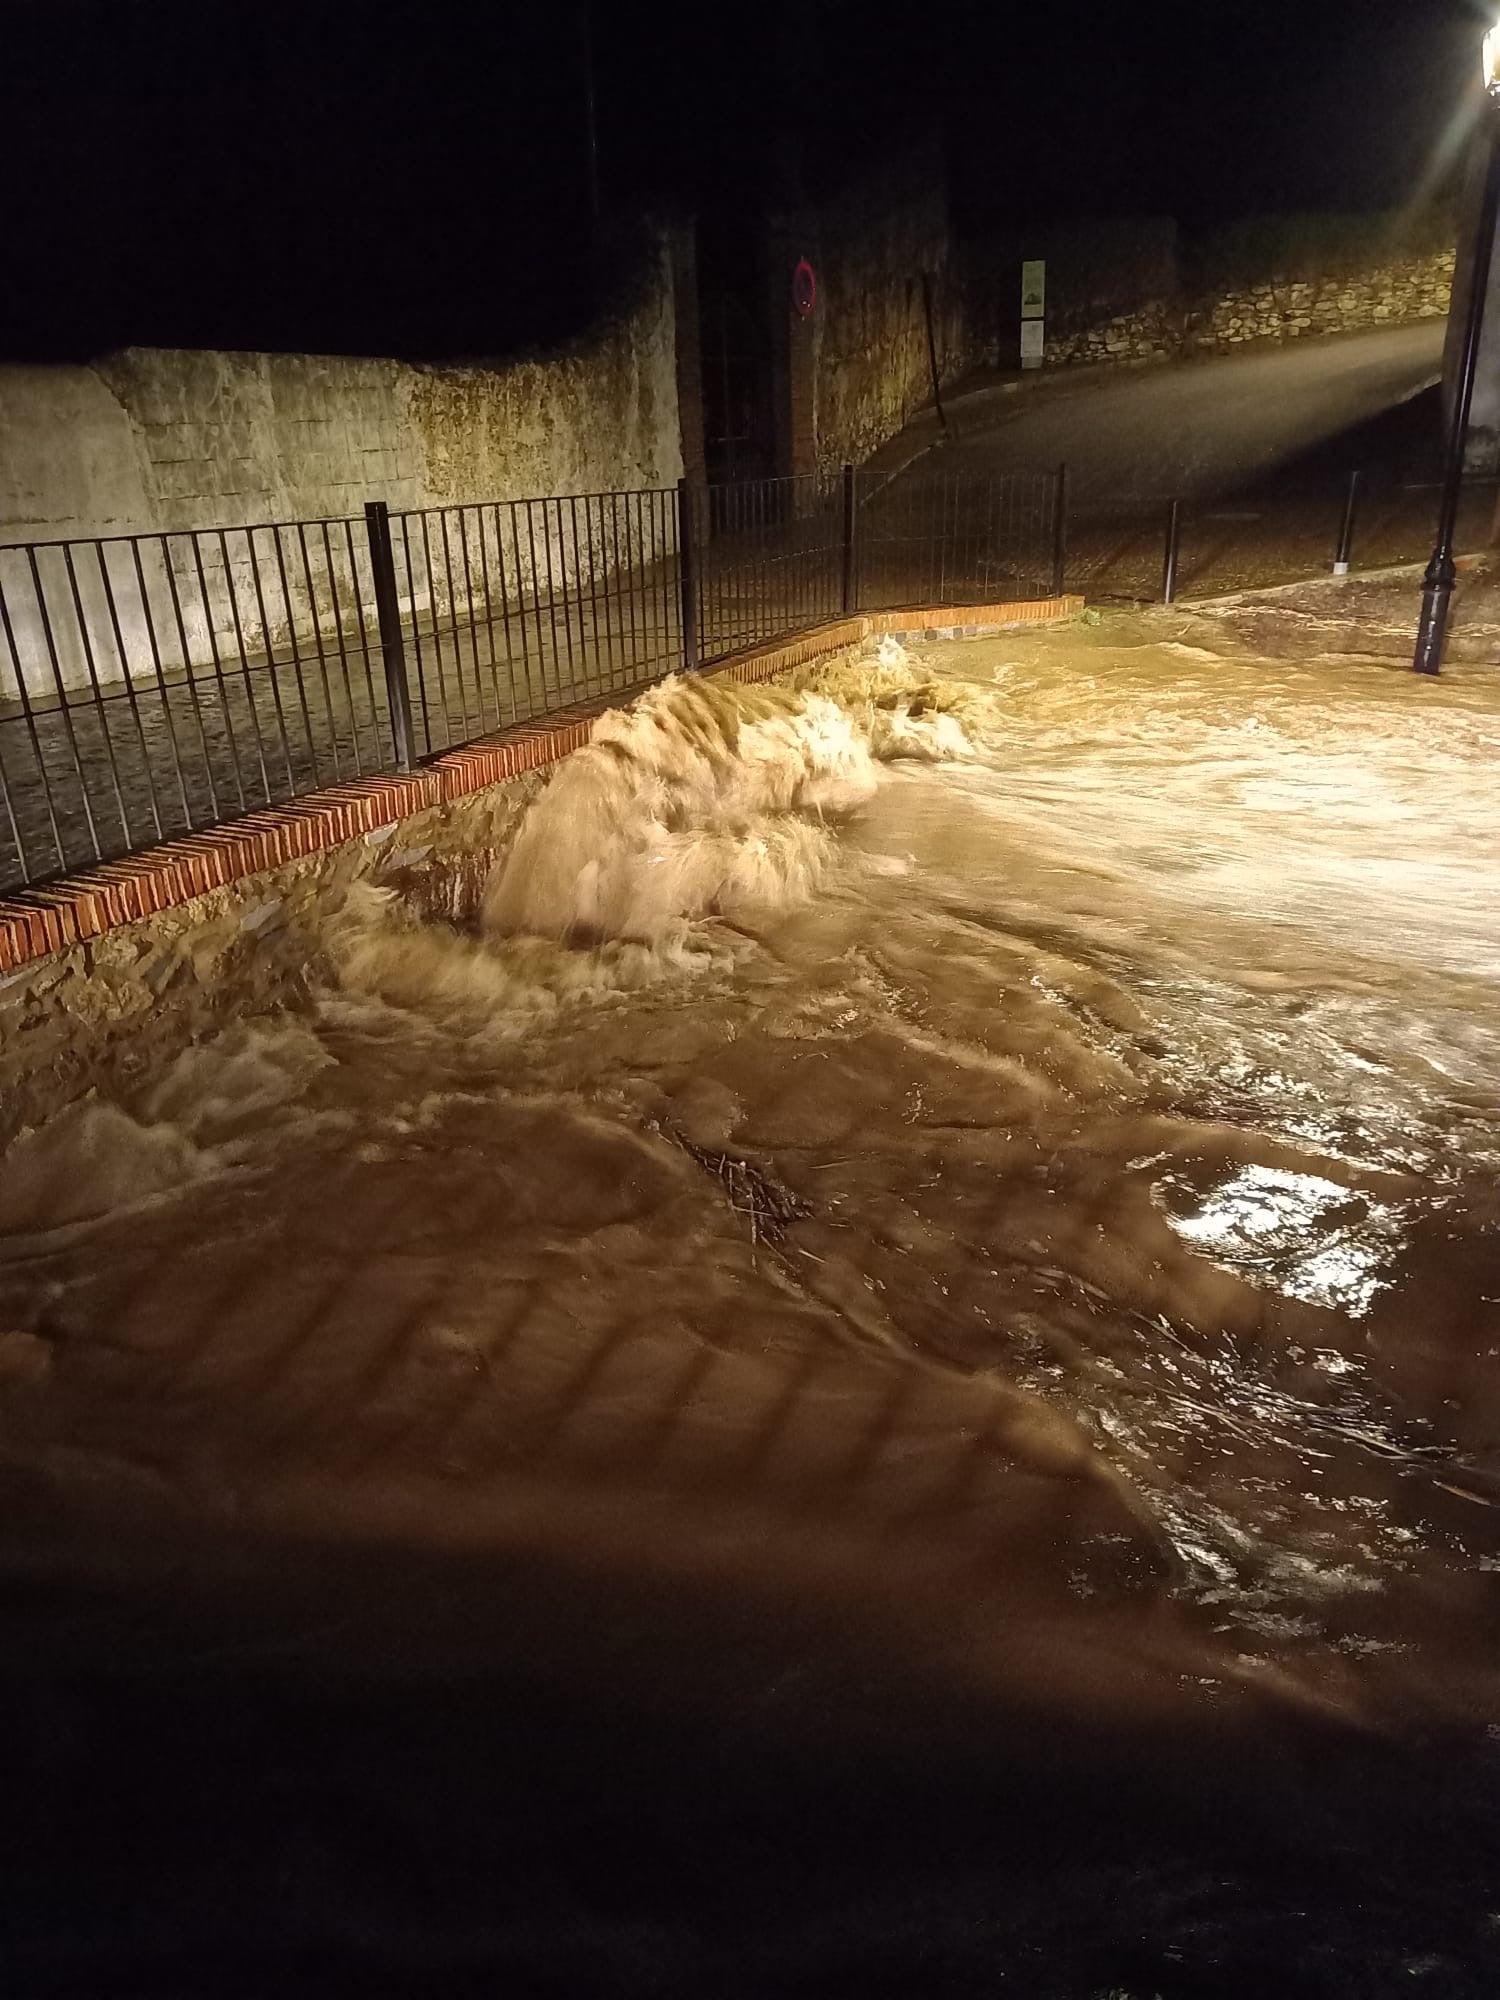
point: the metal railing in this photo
(939, 537)
(153, 684)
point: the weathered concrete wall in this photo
(160, 439)
(157, 441)
(877, 243)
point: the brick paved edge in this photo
(35, 922)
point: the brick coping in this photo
(37, 922)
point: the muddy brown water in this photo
(886, 1381)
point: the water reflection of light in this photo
(1302, 1235)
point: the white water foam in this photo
(708, 799)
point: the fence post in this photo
(1169, 568)
(687, 574)
(392, 647)
(1346, 532)
(848, 594)
(1060, 532)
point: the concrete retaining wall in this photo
(155, 441)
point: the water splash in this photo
(704, 798)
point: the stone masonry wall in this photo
(877, 243)
(1392, 294)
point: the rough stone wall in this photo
(872, 371)
(1394, 294)
(1150, 334)
(1388, 295)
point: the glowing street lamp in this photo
(1440, 575)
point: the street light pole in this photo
(1441, 575)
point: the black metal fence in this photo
(151, 684)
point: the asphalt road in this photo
(1136, 437)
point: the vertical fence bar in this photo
(388, 618)
(639, 611)
(12, 819)
(710, 570)
(1060, 533)
(317, 637)
(663, 540)
(270, 662)
(434, 633)
(62, 700)
(488, 519)
(614, 603)
(118, 637)
(29, 716)
(463, 543)
(416, 630)
(736, 599)
(687, 574)
(239, 640)
(596, 549)
(297, 673)
(194, 703)
(629, 607)
(947, 515)
(453, 630)
(213, 645)
(655, 510)
(491, 637)
(764, 610)
(338, 633)
(534, 572)
(515, 543)
(557, 651)
(93, 672)
(568, 597)
(578, 590)
(1346, 531)
(358, 596)
(1169, 565)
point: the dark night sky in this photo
(315, 173)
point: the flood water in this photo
(885, 1377)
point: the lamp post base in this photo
(1432, 627)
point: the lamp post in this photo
(1440, 575)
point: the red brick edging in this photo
(34, 922)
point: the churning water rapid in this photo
(942, 1222)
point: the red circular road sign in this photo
(804, 289)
